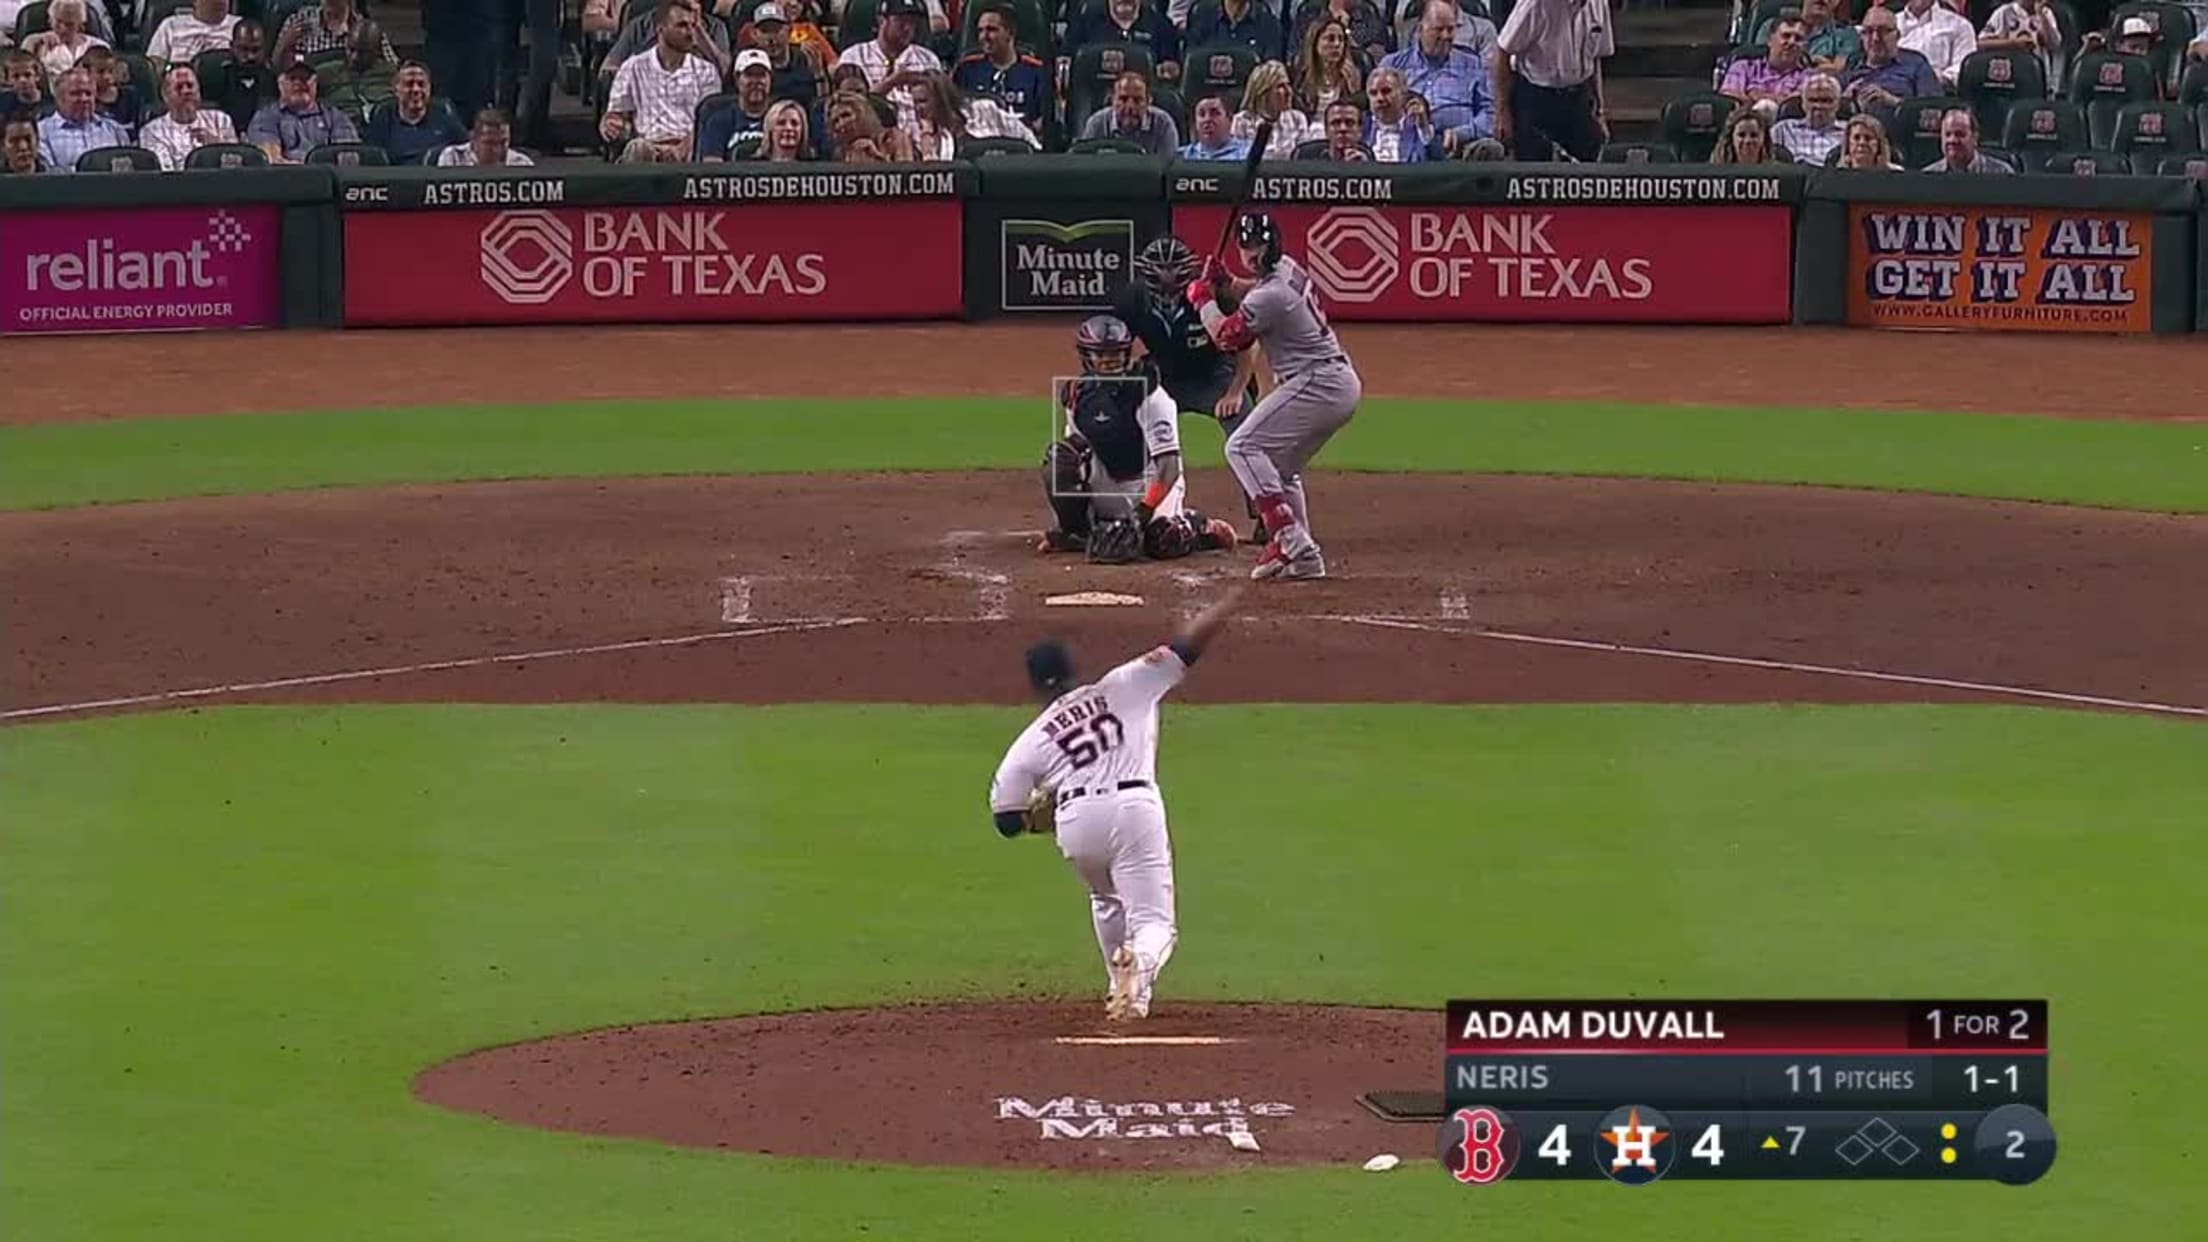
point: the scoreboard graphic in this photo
(1640, 1091)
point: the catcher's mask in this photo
(1106, 345)
(1256, 231)
(1050, 667)
(1165, 267)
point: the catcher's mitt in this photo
(1115, 543)
(1042, 812)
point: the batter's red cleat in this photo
(1271, 563)
(1055, 540)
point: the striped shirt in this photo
(61, 140)
(1457, 89)
(663, 101)
(315, 36)
(1289, 129)
(172, 141)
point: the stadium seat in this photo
(1637, 153)
(709, 106)
(1106, 146)
(226, 155)
(1693, 123)
(858, 23)
(1221, 71)
(31, 19)
(2192, 88)
(118, 160)
(1167, 98)
(1916, 136)
(213, 68)
(147, 83)
(2039, 129)
(2174, 23)
(2088, 164)
(2102, 84)
(1309, 149)
(349, 155)
(1990, 83)
(979, 148)
(1095, 68)
(2194, 166)
(2146, 132)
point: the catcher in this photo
(1114, 482)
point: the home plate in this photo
(1093, 599)
(1154, 1041)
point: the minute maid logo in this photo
(1080, 1118)
(1049, 266)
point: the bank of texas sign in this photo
(1076, 1117)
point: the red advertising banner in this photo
(1716, 264)
(141, 269)
(769, 261)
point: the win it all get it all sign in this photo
(2023, 269)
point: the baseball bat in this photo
(1242, 193)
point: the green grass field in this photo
(231, 936)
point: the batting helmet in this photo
(1100, 337)
(1255, 230)
(1165, 267)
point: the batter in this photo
(1316, 393)
(1088, 766)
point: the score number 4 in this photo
(1557, 1147)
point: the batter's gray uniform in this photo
(1316, 394)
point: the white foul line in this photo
(1147, 1041)
(432, 666)
(1784, 666)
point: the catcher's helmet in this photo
(1100, 337)
(1165, 267)
(1256, 229)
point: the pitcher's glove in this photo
(1042, 812)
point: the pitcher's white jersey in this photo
(1093, 736)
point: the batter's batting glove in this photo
(1199, 292)
(1215, 272)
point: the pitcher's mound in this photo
(1034, 1085)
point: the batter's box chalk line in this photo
(992, 589)
(738, 593)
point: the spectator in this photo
(1368, 31)
(1830, 44)
(2135, 36)
(800, 31)
(327, 27)
(366, 78)
(787, 140)
(1345, 132)
(19, 142)
(416, 126)
(1391, 132)
(653, 105)
(1268, 97)
(1818, 133)
(1132, 118)
(1478, 35)
(115, 95)
(1890, 73)
(1866, 148)
(247, 83)
(1959, 146)
(1939, 34)
(640, 34)
(1765, 85)
(2199, 48)
(204, 27)
(948, 116)
(187, 125)
(859, 135)
(893, 62)
(59, 49)
(298, 122)
(1746, 140)
(1548, 79)
(746, 118)
(22, 86)
(1328, 69)
(76, 125)
(1455, 81)
(1129, 21)
(2026, 26)
(1215, 138)
(1002, 70)
(794, 75)
(1243, 23)
(96, 21)
(939, 17)
(490, 144)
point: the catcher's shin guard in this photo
(1065, 487)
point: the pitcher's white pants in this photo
(1118, 845)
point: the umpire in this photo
(1552, 96)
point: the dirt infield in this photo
(1029, 1085)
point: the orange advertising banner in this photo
(2030, 269)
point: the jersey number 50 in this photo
(1085, 746)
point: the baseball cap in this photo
(900, 8)
(298, 69)
(769, 13)
(2135, 26)
(753, 58)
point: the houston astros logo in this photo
(1353, 253)
(1997, 70)
(1635, 1145)
(528, 256)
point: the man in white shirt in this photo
(892, 61)
(1939, 34)
(205, 27)
(1548, 78)
(654, 101)
(489, 145)
(186, 126)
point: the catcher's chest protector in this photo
(1105, 415)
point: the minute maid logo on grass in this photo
(1077, 1117)
(1048, 266)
